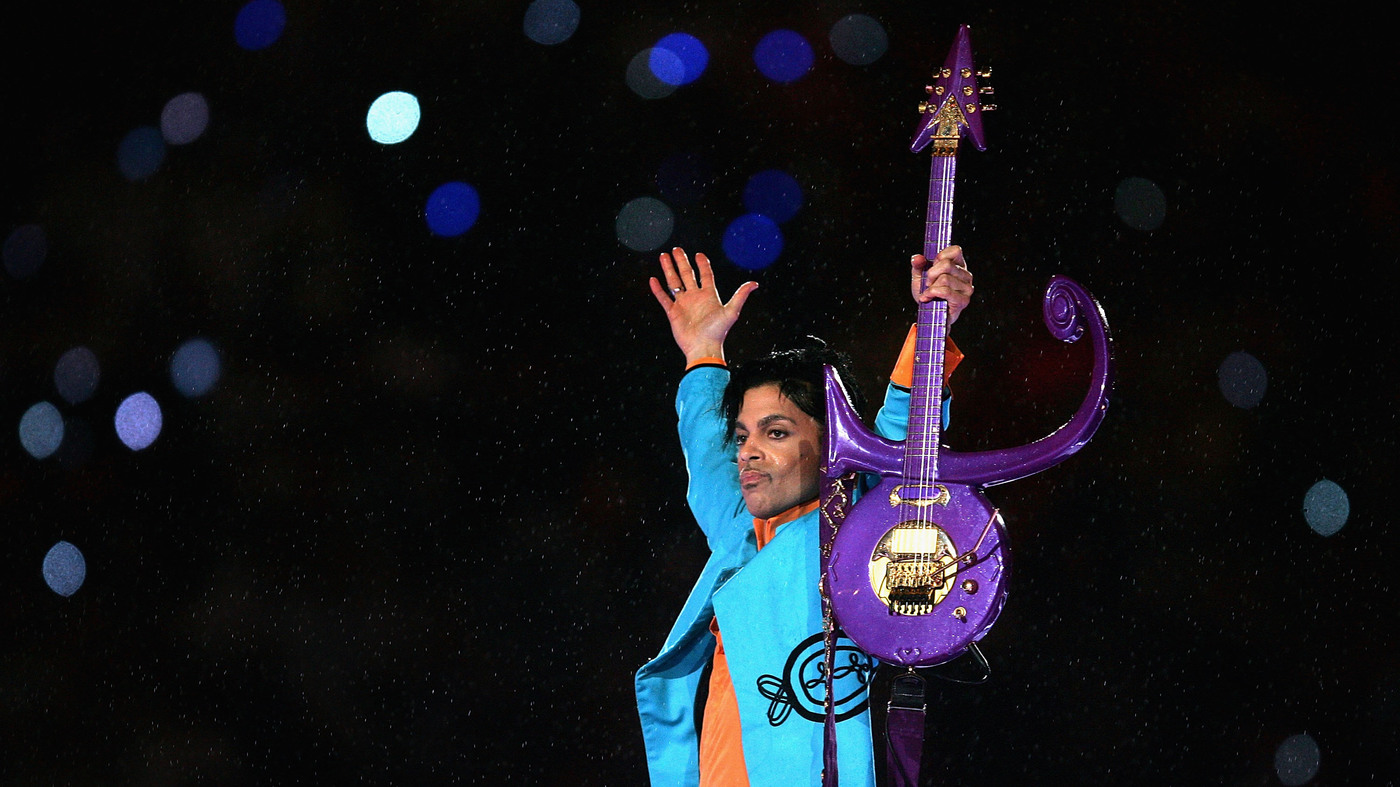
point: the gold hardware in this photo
(966, 72)
(986, 90)
(985, 73)
(912, 568)
(923, 107)
(967, 90)
(960, 613)
(940, 499)
(970, 585)
(971, 108)
(946, 72)
(928, 89)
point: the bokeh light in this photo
(753, 241)
(41, 430)
(1243, 380)
(859, 39)
(138, 421)
(184, 118)
(76, 375)
(140, 153)
(645, 223)
(1297, 759)
(195, 367)
(452, 209)
(773, 193)
(784, 56)
(641, 76)
(551, 22)
(259, 24)
(393, 117)
(678, 59)
(26, 248)
(683, 178)
(1140, 204)
(1326, 507)
(65, 569)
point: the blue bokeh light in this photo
(138, 421)
(259, 24)
(393, 117)
(452, 209)
(1243, 380)
(140, 153)
(551, 22)
(26, 248)
(753, 241)
(773, 193)
(41, 430)
(195, 367)
(687, 59)
(76, 375)
(65, 569)
(784, 56)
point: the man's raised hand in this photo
(699, 320)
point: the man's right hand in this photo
(699, 320)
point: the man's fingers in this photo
(741, 295)
(662, 297)
(668, 269)
(707, 273)
(687, 271)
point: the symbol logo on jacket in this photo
(802, 686)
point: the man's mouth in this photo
(748, 478)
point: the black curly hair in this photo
(797, 370)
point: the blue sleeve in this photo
(893, 419)
(713, 487)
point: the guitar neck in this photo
(926, 399)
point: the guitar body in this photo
(917, 570)
(915, 581)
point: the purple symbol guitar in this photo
(917, 569)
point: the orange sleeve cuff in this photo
(706, 361)
(903, 374)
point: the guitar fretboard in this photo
(926, 400)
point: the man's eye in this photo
(740, 438)
(777, 434)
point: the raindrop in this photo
(1326, 507)
(644, 224)
(1243, 380)
(41, 430)
(859, 39)
(1297, 759)
(1140, 204)
(551, 22)
(64, 569)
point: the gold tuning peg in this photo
(984, 73)
(928, 89)
(989, 107)
(986, 90)
(923, 107)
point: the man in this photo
(735, 695)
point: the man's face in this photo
(779, 452)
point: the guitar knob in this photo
(970, 585)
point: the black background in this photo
(431, 520)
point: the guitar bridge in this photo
(913, 567)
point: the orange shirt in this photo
(721, 746)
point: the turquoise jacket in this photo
(769, 609)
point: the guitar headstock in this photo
(954, 105)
